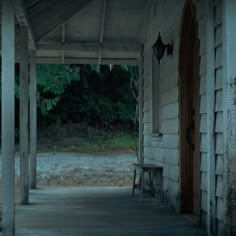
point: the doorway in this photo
(189, 114)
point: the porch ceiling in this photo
(85, 31)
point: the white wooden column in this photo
(33, 121)
(229, 117)
(141, 92)
(8, 117)
(24, 124)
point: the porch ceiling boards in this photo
(86, 31)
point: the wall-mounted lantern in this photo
(159, 48)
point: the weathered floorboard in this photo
(74, 211)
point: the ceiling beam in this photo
(102, 28)
(90, 47)
(23, 20)
(105, 61)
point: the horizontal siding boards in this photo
(171, 189)
(147, 140)
(203, 164)
(218, 14)
(203, 84)
(147, 107)
(147, 118)
(169, 96)
(203, 123)
(171, 172)
(218, 35)
(218, 56)
(170, 111)
(219, 122)
(203, 65)
(170, 126)
(219, 100)
(203, 104)
(219, 208)
(204, 200)
(147, 153)
(219, 143)
(219, 165)
(168, 141)
(203, 142)
(169, 82)
(204, 181)
(219, 78)
(219, 186)
(147, 129)
(158, 154)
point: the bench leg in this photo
(151, 184)
(142, 185)
(134, 179)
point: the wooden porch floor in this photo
(77, 211)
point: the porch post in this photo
(24, 129)
(8, 117)
(141, 92)
(33, 121)
(229, 116)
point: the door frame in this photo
(189, 175)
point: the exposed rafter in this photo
(101, 38)
(23, 20)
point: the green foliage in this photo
(52, 81)
(99, 96)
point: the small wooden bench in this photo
(151, 169)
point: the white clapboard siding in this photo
(204, 200)
(219, 78)
(203, 142)
(219, 100)
(204, 181)
(203, 165)
(219, 165)
(203, 84)
(203, 123)
(218, 35)
(220, 209)
(147, 129)
(170, 126)
(219, 186)
(203, 104)
(218, 56)
(171, 172)
(218, 14)
(169, 96)
(170, 111)
(219, 143)
(169, 82)
(168, 141)
(219, 122)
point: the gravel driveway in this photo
(84, 170)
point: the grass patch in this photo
(93, 144)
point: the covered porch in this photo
(73, 211)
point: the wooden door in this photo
(189, 114)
